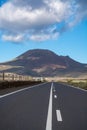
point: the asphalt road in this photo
(49, 106)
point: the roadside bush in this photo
(82, 85)
(12, 84)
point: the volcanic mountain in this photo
(45, 63)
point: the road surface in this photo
(48, 106)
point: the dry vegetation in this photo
(11, 80)
(78, 83)
(15, 84)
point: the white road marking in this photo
(8, 94)
(55, 96)
(74, 87)
(59, 117)
(49, 116)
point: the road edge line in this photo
(74, 87)
(20, 90)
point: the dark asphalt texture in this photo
(27, 110)
(73, 105)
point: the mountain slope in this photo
(40, 62)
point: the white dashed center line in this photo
(55, 96)
(49, 115)
(59, 117)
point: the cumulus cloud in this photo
(42, 37)
(81, 12)
(39, 20)
(13, 38)
(33, 3)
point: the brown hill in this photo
(46, 63)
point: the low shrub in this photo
(11, 84)
(82, 85)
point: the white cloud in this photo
(11, 38)
(24, 18)
(39, 19)
(42, 37)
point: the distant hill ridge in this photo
(39, 62)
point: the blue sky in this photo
(66, 35)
